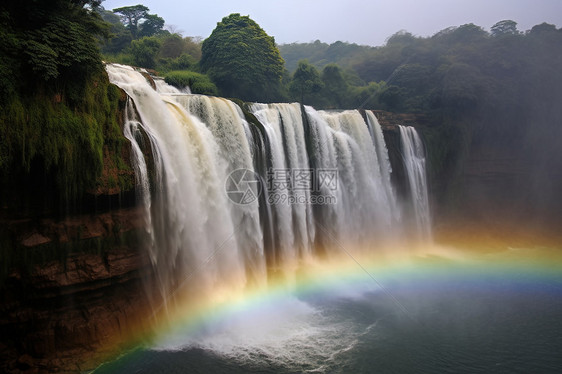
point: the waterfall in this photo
(233, 137)
(414, 163)
(232, 198)
(295, 229)
(365, 208)
(164, 88)
(200, 238)
(384, 165)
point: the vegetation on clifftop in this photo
(58, 111)
(198, 83)
(243, 60)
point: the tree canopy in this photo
(243, 60)
(138, 38)
(505, 27)
(306, 80)
(131, 16)
(144, 51)
(48, 42)
(57, 108)
(321, 54)
(138, 21)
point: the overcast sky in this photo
(355, 21)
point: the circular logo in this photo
(243, 186)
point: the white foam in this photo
(288, 332)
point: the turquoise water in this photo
(442, 317)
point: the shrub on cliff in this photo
(198, 83)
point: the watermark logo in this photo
(284, 186)
(277, 198)
(243, 186)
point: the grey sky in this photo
(354, 21)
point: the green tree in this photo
(505, 27)
(172, 46)
(144, 51)
(381, 63)
(193, 46)
(393, 97)
(131, 16)
(306, 80)
(366, 96)
(543, 28)
(335, 86)
(120, 35)
(401, 37)
(151, 25)
(243, 60)
(461, 37)
(60, 110)
(462, 89)
(52, 44)
(321, 54)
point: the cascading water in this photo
(326, 178)
(414, 163)
(325, 209)
(231, 132)
(295, 229)
(365, 208)
(385, 168)
(195, 229)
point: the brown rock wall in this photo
(64, 312)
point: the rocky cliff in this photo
(493, 182)
(506, 182)
(71, 277)
(56, 313)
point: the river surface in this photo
(499, 313)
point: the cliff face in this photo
(389, 123)
(485, 180)
(58, 313)
(389, 119)
(506, 182)
(71, 275)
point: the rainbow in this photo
(526, 269)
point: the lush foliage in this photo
(498, 89)
(144, 51)
(306, 80)
(120, 36)
(464, 70)
(139, 22)
(321, 54)
(57, 109)
(198, 83)
(137, 38)
(243, 60)
(51, 45)
(458, 72)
